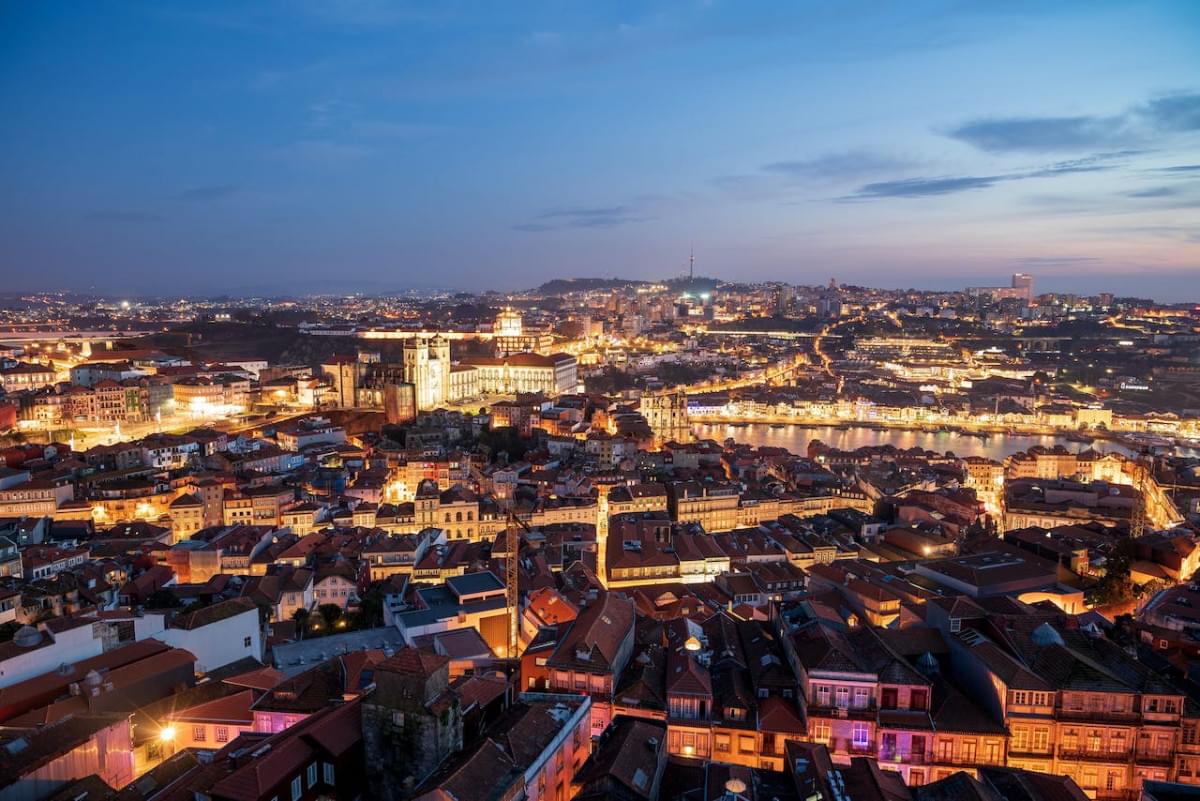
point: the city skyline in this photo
(377, 147)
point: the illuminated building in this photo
(593, 653)
(713, 506)
(211, 397)
(343, 373)
(427, 368)
(523, 373)
(1020, 289)
(187, 516)
(667, 415)
(511, 336)
(25, 376)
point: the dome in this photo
(27, 637)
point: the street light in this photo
(167, 734)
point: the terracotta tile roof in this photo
(415, 661)
(479, 690)
(261, 679)
(25, 695)
(629, 753)
(233, 709)
(213, 614)
(686, 676)
(594, 638)
(330, 732)
(777, 714)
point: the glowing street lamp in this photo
(167, 734)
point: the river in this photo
(795, 438)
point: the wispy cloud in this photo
(1041, 261)
(1177, 233)
(926, 187)
(784, 178)
(836, 166)
(210, 193)
(583, 217)
(1184, 168)
(1154, 191)
(1094, 163)
(947, 185)
(1042, 134)
(1162, 115)
(327, 113)
(1179, 112)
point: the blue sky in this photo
(204, 147)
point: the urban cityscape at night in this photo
(698, 401)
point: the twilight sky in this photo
(312, 146)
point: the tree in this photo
(329, 613)
(505, 439)
(300, 617)
(1115, 587)
(163, 599)
(371, 607)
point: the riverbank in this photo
(883, 425)
(795, 437)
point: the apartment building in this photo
(592, 654)
(713, 505)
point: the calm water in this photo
(796, 438)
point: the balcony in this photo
(1029, 752)
(903, 757)
(1154, 758)
(1118, 795)
(843, 713)
(1099, 715)
(845, 745)
(1083, 752)
(966, 760)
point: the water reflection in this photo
(796, 438)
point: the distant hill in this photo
(694, 286)
(561, 286)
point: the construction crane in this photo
(512, 570)
(1141, 504)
